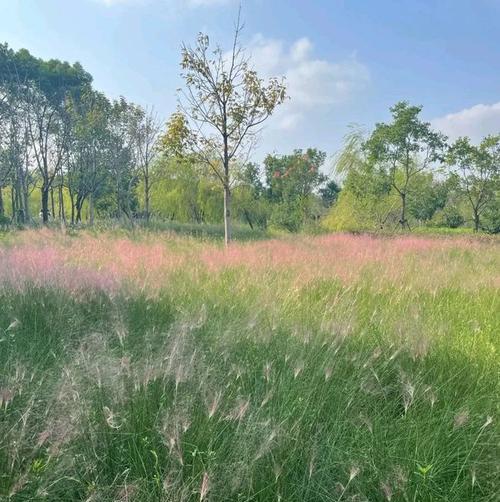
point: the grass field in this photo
(143, 366)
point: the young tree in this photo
(225, 102)
(406, 147)
(479, 171)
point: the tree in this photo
(145, 133)
(330, 193)
(367, 201)
(225, 102)
(250, 202)
(292, 182)
(89, 151)
(407, 146)
(479, 169)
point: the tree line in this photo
(69, 153)
(404, 174)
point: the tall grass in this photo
(332, 368)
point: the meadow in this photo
(147, 366)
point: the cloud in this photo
(313, 84)
(475, 122)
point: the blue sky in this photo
(346, 61)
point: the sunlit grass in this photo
(328, 368)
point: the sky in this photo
(345, 61)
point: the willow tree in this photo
(225, 102)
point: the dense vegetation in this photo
(68, 153)
(326, 368)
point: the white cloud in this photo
(313, 84)
(475, 122)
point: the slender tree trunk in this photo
(52, 203)
(45, 203)
(2, 210)
(72, 201)
(21, 215)
(146, 196)
(79, 204)
(61, 199)
(476, 220)
(227, 193)
(18, 202)
(62, 213)
(227, 214)
(403, 221)
(24, 183)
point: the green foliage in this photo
(479, 174)
(404, 148)
(292, 184)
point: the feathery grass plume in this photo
(298, 368)
(430, 395)
(386, 489)
(408, 395)
(488, 421)
(460, 419)
(205, 486)
(239, 410)
(353, 472)
(6, 396)
(267, 371)
(328, 373)
(214, 404)
(111, 419)
(266, 398)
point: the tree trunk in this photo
(21, 211)
(45, 204)
(146, 196)
(52, 203)
(18, 218)
(2, 210)
(476, 220)
(79, 204)
(24, 183)
(27, 213)
(227, 214)
(62, 213)
(403, 221)
(72, 199)
(227, 190)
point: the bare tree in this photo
(225, 102)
